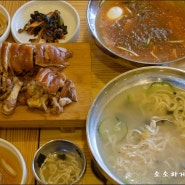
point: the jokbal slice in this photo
(33, 75)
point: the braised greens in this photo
(48, 27)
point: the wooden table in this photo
(27, 140)
(103, 70)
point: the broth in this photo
(8, 176)
(136, 148)
(144, 31)
(3, 24)
(61, 168)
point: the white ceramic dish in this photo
(22, 16)
(7, 32)
(9, 146)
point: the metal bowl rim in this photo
(90, 140)
(114, 54)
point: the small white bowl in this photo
(7, 16)
(22, 16)
(11, 148)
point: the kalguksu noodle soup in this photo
(143, 30)
(137, 148)
(61, 168)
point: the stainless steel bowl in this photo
(143, 75)
(57, 146)
(91, 13)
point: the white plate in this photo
(22, 16)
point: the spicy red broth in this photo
(144, 31)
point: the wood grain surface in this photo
(103, 69)
(28, 140)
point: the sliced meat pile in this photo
(33, 75)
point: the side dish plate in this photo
(22, 16)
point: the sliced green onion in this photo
(125, 49)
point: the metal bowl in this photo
(139, 76)
(91, 14)
(58, 147)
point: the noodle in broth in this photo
(63, 168)
(135, 147)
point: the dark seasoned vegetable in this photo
(48, 27)
(62, 156)
(41, 159)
